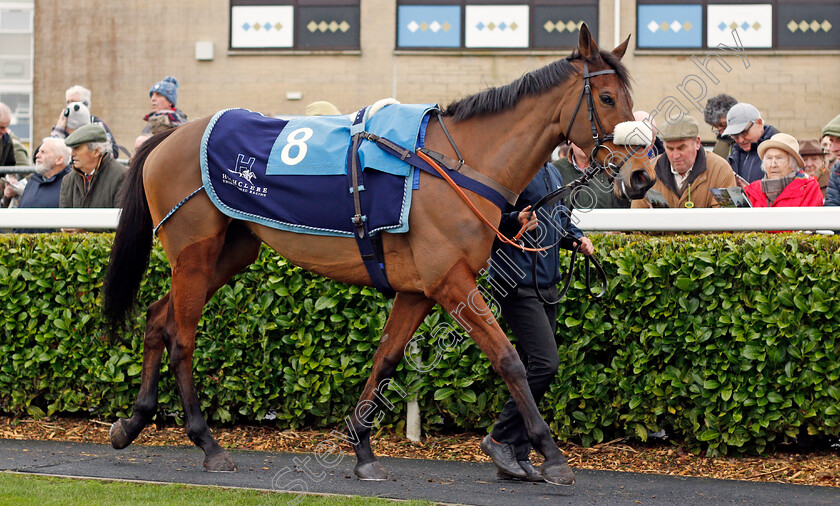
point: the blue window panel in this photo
(429, 26)
(670, 26)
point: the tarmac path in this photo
(440, 481)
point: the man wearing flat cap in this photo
(686, 172)
(832, 132)
(96, 178)
(816, 162)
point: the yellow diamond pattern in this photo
(733, 26)
(424, 26)
(815, 26)
(803, 25)
(513, 26)
(323, 26)
(665, 26)
(446, 26)
(792, 26)
(491, 26)
(278, 26)
(549, 26)
(257, 26)
(756, 25)
(826, 26)
(687, 26)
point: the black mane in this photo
(504, 98)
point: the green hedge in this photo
(726, 341)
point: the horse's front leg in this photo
(458, 294)
(125, 430)
(406, 315)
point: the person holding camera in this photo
(70, 117)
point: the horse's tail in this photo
(132, 242)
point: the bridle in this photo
(595, 168)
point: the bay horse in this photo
(507, 133)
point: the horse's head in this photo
(589, 114)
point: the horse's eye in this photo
(607, 100)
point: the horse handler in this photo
(532, 317)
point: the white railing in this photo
(687, 220)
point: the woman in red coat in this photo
(784, 184)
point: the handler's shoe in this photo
(531, 473)
(503, 456)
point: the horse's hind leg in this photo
(124, 431)
(406, 315)
(458, 294)
(240, 250)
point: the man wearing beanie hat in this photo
(163, 96)
(832, 131)
(96, 178)
(745, 126)
(686, 172)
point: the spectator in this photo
(9, 157)
(81, 94)
(20, 155)
(163, 96)
(784, 185)
(52, 163)
(815, 162)
(7, 149)
(532, 321)
(96, 177)
(714, 114)
(745, 126)
(322, 108)
(832, 132)
(600, 190)
(830, 157)
(686, 172)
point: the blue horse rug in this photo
(291, 173)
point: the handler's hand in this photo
(586, 246)
(527, 219)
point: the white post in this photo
(412, 412)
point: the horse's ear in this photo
(588, 48)
(621, 48)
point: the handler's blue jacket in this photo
(554, 224)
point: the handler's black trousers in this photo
(533, 323)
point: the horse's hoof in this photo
(558, 474)
(220, 463)
(119, 439)
(372, 471)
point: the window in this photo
(492, 24)
(294, 24)
(781, 24)
(16, 43)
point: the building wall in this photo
(119, 49)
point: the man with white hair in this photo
(96, 178)
(80, 94)
(52, 163)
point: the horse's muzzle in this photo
(634, 186)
